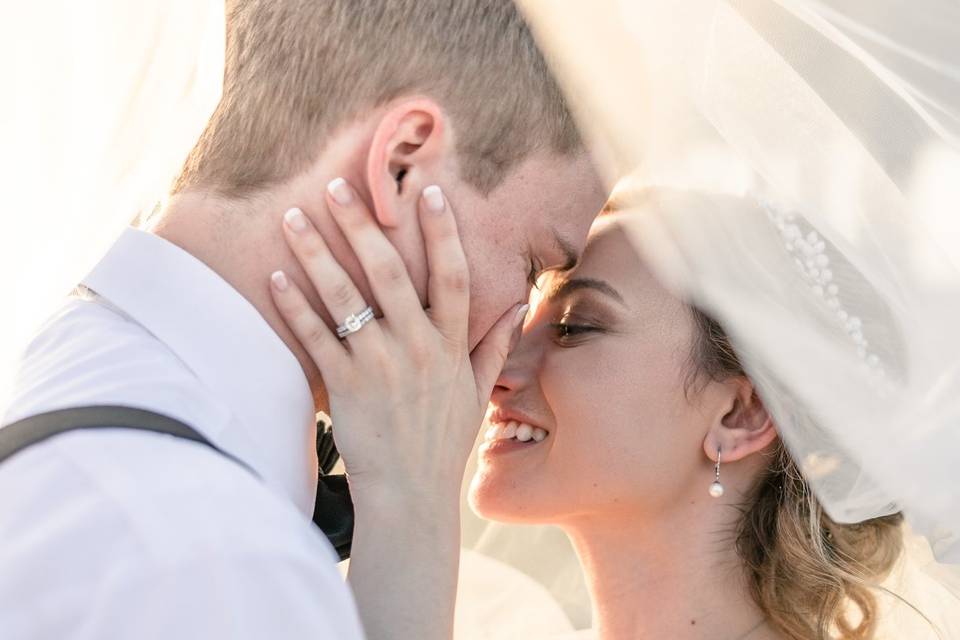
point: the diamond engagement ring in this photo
(354, 323)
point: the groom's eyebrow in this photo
(570, 255)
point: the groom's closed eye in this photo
(561, 258)
(569, 255)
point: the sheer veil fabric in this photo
(796, 165)
(840, 119)
(102, 102)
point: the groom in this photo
(121, 533)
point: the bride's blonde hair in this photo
(806, 572)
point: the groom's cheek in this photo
(487, 307)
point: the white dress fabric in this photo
(497, 601)
(122, 534)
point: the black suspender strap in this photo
(333, 509)
(25, 433)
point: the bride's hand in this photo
(406, 396)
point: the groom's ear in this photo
(407, 149)
(744, 426)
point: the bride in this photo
(625, 416)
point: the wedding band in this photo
(354, 323)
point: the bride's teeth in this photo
(524, 432)
(513, 429)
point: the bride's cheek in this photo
(572, 389)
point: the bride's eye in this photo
(567, 331)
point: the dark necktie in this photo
(333, 511)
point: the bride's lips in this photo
(511, 431)
(504, 415)
(496, 447)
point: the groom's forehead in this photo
(547, 204)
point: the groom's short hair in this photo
(298, 69)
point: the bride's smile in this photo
(508, 426)
(592, 406)
(612, 418)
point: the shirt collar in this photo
(230, 348)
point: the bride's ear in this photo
(744, 428)
(406, 151)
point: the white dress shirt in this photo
(122, 534)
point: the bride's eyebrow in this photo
(566, 287)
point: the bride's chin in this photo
(495, 497)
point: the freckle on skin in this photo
(693, 622)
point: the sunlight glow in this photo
(94, 130)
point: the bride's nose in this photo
(521, 367)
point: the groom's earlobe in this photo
(406, 149)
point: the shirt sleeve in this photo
(236, 595)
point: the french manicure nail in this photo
(521, 315)
(433, 196)
(279, 279)
(295, 220)
(340, 191)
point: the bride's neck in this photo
(676, 576)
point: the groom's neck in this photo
(242, 241)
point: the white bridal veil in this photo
(102, 100)
(840, 284)
(837, 275)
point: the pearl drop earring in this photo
(716, 489)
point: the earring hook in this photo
(716, 489)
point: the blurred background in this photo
(101, 102)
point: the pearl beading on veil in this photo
(810, 255)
